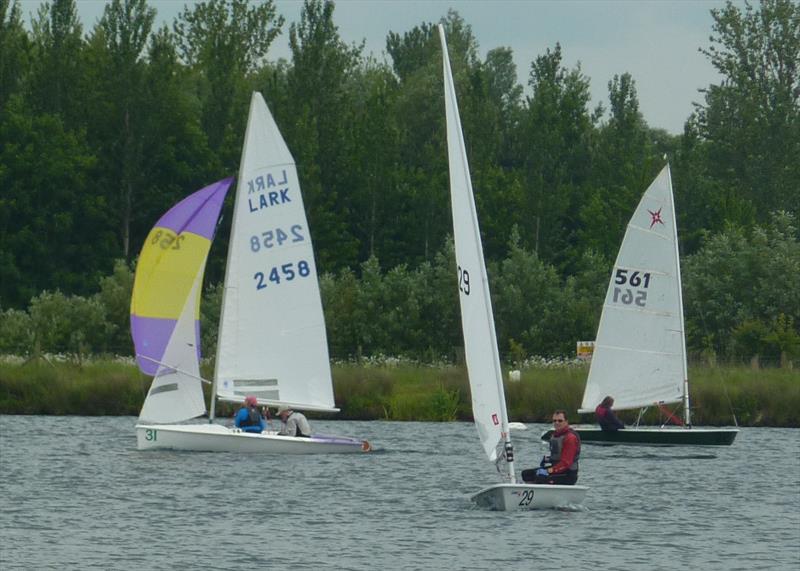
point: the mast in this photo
(212, 408)
(686, 408)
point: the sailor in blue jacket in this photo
(248, 418)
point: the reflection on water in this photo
(76, 494)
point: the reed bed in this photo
(392, 391)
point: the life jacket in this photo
(557, 444)
(253, 418)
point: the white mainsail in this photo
(640, 353)
(272, 341)
(176, 393)
(477, 320)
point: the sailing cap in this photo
(283, 408)
(250, 400)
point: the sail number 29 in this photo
(527, 498)
(633, 294)
(463, 280)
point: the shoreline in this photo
(412, 392)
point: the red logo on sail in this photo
(495, 420)
(655, 217)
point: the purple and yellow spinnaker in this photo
(173, 256)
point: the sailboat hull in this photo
(512, 497)
(217, 438)
(655, 436)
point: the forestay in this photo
(477, 320)
(640, 356)
(165, 305)
(272, 341)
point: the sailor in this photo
(293, 423)
(248, 418)
(562, 465)
(605, 416)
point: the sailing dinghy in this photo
(640, 353)
(272, 341)
(480, 341)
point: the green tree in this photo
(118, 110)
(53, 229)
(373, 177)
(554, 147)
(739, 277)
(115, 299)
(526, 298)
(15, 47)
(176, 158)
(752, 118)
(321, 113)
(623, 167)
(57, 82)
(224, 42)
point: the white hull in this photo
(510, 497)
(217, 438)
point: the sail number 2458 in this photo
(639, 282)
(285, 272)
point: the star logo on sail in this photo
(495, 420)
(655, 217)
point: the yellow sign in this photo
(585, 350)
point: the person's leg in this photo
(565, 479)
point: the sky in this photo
(656, 41)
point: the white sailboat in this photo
(272, 341)
(480, 341)
(640, 352)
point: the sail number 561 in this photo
(636, 280)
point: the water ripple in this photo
(76, 494)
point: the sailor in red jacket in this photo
(565, 449)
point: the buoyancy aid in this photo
(557, 444)
(253, 418)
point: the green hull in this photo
(655, 436)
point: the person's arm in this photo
(615, 419)
(282, 431)
(567, 455)
(237, 420)
(291, 426)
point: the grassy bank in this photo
(767, 397)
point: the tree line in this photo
(104, 130)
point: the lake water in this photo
(76, 494)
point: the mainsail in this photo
(272, 341)
(640, 353)
(477, 320)
(165, 305)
